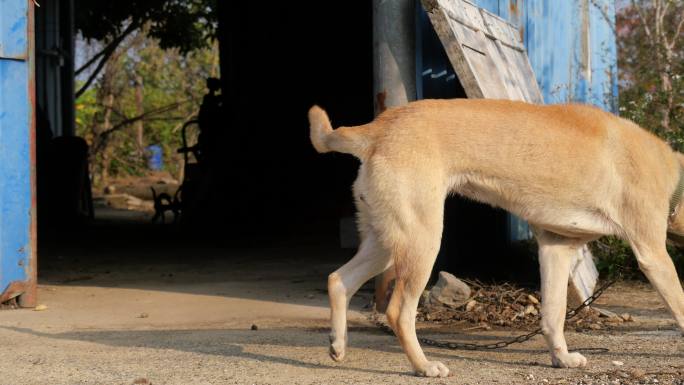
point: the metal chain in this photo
(501, 344)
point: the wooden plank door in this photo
(485, 51)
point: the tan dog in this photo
(575, 173)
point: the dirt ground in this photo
(121, 313)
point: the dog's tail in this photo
(349, 140)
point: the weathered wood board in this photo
(485, 51)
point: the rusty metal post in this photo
(29, 298)
(394, 57)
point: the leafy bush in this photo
(615, 258)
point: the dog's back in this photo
(515, 155)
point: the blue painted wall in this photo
(16, 113)
(571, 47)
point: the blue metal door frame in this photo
(18, 262)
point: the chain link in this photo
(500, 344)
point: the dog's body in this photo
(575, 173)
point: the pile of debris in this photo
(455, 301)
(674, 375)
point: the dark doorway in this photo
(276, 63)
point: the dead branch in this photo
(106, 54)
(104, 135)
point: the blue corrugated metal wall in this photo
(17, 264)
(571, 46)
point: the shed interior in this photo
(273, 189)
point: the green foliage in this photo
(652, 95)
(615, 258)
(644, 107)
(182, 24)
(172, 88)
(647, 79)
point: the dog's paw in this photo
(337, 350)
(569, 360)
(433, 369)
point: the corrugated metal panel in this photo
(604, 85)
(490, 5)
(17, 155)
(571, 47)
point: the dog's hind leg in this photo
(383, 292)
(369, 261)
(555, 259)
(656, 264)
(415, 247)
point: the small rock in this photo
(254, 327)
(143, 315)
(40, 307)
(605, 312)
(533, 300)
(626, 317)
(618, 363)
(637, 373)
(530, 377)
(142, 381)
(449, 290)
(470, 305)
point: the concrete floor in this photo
(131, 308)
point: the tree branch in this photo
(606, 17)
(677, 34)
(107, 53)
(644, 22)
(129, 121)
(103, 137)
(115, 42)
